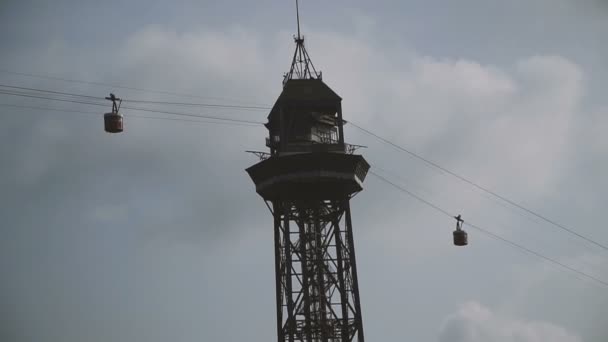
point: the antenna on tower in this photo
(301, 65)
(298, 17)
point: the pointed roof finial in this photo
(301, 65)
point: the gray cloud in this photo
(158, 234)
(475, 322)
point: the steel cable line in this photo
(102, 84)
(193, 115)
(22, 94)
(410, 193)
(137, 101)
(131, 115)
(198, 104)
(51, 92)
(488, 197)
(486, 190)
(135, 108)
(491, 234)
(373, 173)
(502, 204)
(415, 155)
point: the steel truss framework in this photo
(316, 275)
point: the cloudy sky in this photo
(157, 234)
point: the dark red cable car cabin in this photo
(113, 121)
(460, 238)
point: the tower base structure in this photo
(317, 291)
(317, 294)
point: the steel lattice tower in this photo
(307, 181)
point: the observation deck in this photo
(319, 175)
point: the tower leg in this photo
(316, 277)
(278, 266)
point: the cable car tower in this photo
(307, 180)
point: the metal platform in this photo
(323, 176)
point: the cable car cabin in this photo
(113, 122)
(460, 238)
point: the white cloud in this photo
(234, 51)
(476, 323)
(506, 129)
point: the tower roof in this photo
(305, 91)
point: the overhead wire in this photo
(367, 131)
(135, 108)
(199, 104)
(482, 188)
(486, 196)
(139, 116)
(490, 233)
(249, 122)
(51, 92)
(117, 86)
(21, 94)
(193, 115)
(400, 177)
(211, 105)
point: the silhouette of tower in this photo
(307, 181)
